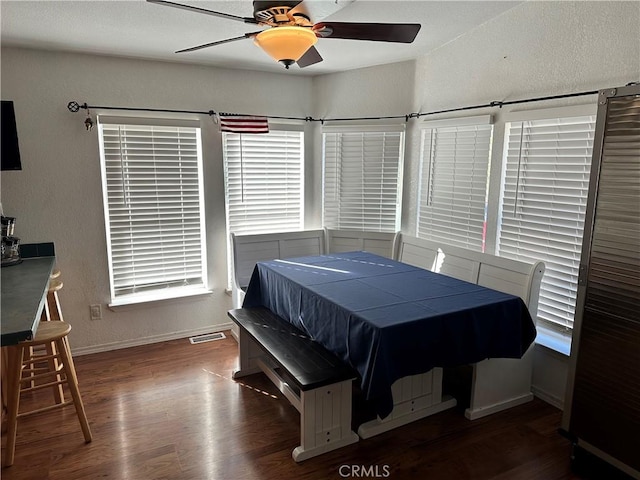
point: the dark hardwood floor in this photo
(171, 411)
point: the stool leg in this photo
(29, 352)
(54, 366)
(54, 313)
(14, 371)
(72, 381)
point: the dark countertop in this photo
(24, 291)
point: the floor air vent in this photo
(207, 337)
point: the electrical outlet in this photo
(96, 312)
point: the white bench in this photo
(380, 243)
(251, 249)
(248, 250)
(497, 383)
(502, 274)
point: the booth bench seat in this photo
(497, 383)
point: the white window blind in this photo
(545, 186)
(152, 187)
(362, 182)
(264, 181)
(454, 167)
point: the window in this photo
(152, 188)
(544, 195)
(454, 167)
(263, 181)
(264, 188)
(362, 182)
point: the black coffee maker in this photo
(10, 244)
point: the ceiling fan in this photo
(291, 35)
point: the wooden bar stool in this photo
(51, 311)
(55, 332)
(53, 301)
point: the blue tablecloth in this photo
(388, 319)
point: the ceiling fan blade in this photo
(310, 57)
(377, 32)
(205, 11)
(219, 42)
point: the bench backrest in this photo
(513, 277)
(380, 243)
(452, 261)
(503, 274)
(250, 249)
(417, 252)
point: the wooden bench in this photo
(314, 380)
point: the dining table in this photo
(388, 319)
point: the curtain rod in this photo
(501, 104)
(75, 107)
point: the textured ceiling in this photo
(138, 29)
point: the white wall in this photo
(57, 196)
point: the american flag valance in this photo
(243, 124)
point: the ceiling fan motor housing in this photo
(273, 15)
(278, 12)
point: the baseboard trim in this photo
(547, 397)
(497, 407)
(106, 347)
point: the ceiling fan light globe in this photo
(286, 44)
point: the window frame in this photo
(351, 129)
(299, 129)
(451, 127)
(556, 337)
(161, 292)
